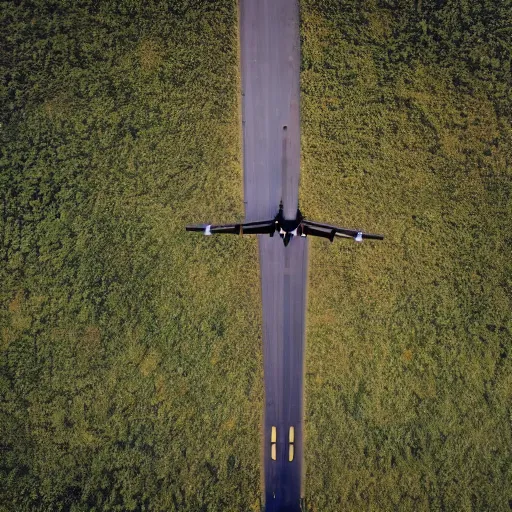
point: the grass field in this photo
(406, 130)
(130, 360)
(131, 363)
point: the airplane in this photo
(286, 228)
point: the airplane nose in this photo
(287, 239)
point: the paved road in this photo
(283, 283)
(270, 61)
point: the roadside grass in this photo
(406, 132)
(131, 366)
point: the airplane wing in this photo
(330, 232)
(315, 231)
(247, 228)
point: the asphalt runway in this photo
(270, 63)
(284, 287)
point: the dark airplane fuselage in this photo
(287, 228)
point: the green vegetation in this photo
(130, 361)
(131, 364)
(406, 116)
